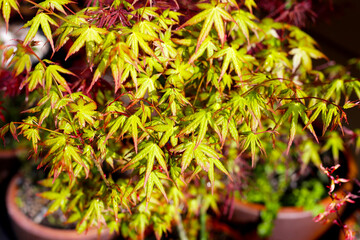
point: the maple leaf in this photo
(244, 21)
(335, 143)
(43, 20)
(311, 153)
(293, 111)
(123, 64)
(303, 54)
(168, 128)
(86, 34)
(150, 151)
(211, 15)
(250, 4)
(275, 59)
(199, 120)
(252, 140)
(148, 84)
(134, 122)
(6, 6)
(115, 125)
(64, 31)
(207, 45)
(237, 58)
(166, 46)
(149, 28)
(179, 72)
(136, 38)
(36, 77)
(174, 97)
(31, 133)
(84, 111)
(55, 4)
(227, 126)
(52, 73)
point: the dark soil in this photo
(36, 207)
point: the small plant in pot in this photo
(281, 196)
(142, 103)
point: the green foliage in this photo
(274, 186)
(6, 6)
(160, 102)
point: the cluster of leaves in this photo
(181, 93)
(332, 212)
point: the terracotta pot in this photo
(292, 222)
(25, 229)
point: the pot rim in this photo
(288, 211)
(28, 225)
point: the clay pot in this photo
(292, 222)
(25, 229)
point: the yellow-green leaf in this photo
(43, 20)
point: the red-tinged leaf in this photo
(56, 143)
(3, 130)
(58, 5)
(187, 156)
(7, 5)
(136, 38)
(32, 135)
(159, 154)
(13, 131)
(43, 20)
(149, 166)
(74, 153)
(196, 118)
(36, 77)
(201, 159)
(87, 34)
(349, 104)
(134, 122)
(159, 185)
(141, 155)
(219, 15)
(213, 15)
(115, 126)
(52, 73)
(292, 134)
(44, 114)
(207, 26)
(250, 4)
(221, 167)
(84, 111)
(210, 152)
(207, 45)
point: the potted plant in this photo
(142, 102)
(282, 198)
